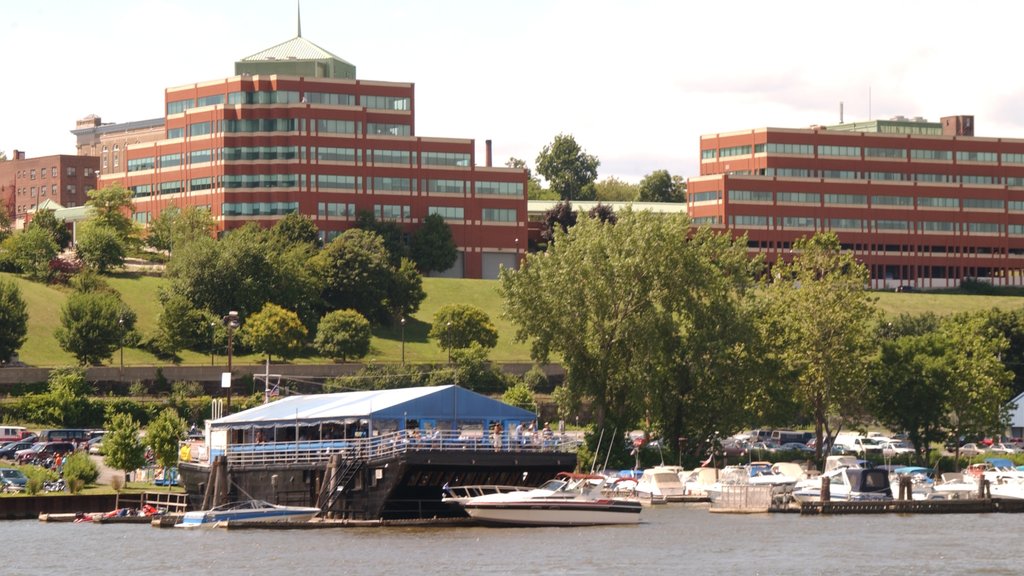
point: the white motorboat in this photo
(661, 483)
(848, 483)
(699, 480)
(246, 511)
(459, 495)
(753, 474)
(566, 500)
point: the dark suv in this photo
(43, 451)
(7, 451)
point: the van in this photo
(12, 433)
(780, 437)
(75, 435)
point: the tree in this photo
(457, 326)
(432, 246)
(79, 470)
(13, 319)
(405, 290)
(568, 168)
(122, 445)
(819, 319)
(355, 273)
(604, 213)
(101, 247)
(112, 206)
(67, 401)
(534, 191)
(181, 326)
(558, 217)
(31, 251)
(193, 222)
(521, 396)
(164, 434)
(274, 331)
(296, 229)
(160, 232)
(58, 229)
(611, 189)
(389, 232)
(343, 334)
(93, 326)
(660, 186)
(5, 220)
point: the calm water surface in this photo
(673, 539)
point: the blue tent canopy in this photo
(450, 403)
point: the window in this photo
(197, 184)
(846, 224)
(447, 212)
(141, 191)
(200, 129)
(899, 153)
(749, 196)
(447, 186)
(499, 188)
(141, 217)
(179, 106)
(885, 176)
(172, 187)
(788, 172)
(907, 201)
(32, 174)
(261, 125)
(391, 211)
(712, 196)
(706, 220)
(846, 199)
(330, 99)
(336, 209)
(385, 129)
(336, 126)
(170, 160)
(708, 154)
(258, 208)
(499, 215)
(759, 148)
(173, 133)
(1013, 158)
(931, 154)
(71, 171)
(983, 203)
(937, 202)
(445, 159)
(391, 157)
(327, 154)
(969, 179)
(388, 184)
(982, 157)
(749, 221)
(329, 181)
(798, 197)
(1016, 229)
(210, 100)
(892, 225)
(261, 153)
(794, 149)
(53, 172)
(985, 228)
(841, 151)
(200, 156)
(386, 102)
(137, 164)
(941, 178)
(71, 189)
(734, 151)
(260, 181)
(1015, 205)
(797, 222)
(839, 174)
(944, 227)
(264, 97)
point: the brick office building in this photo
(294, 130)
(26, 183)
(921, 203)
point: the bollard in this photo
(826, 489)
(906, 488)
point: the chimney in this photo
(18, 155)
(487, 143)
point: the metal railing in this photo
(390, 444)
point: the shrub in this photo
(138, 388)
(37, 476)
(79, 470)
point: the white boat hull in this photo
(208, 519)
(565, 513)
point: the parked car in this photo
(95, 446)
(12, 480)
(1000, 448)
(972, 449)
(897, 448)
(43, 451)
(796, 447)
(8, 450)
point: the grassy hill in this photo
(140, 292)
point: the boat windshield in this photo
(554, 485)
(243, 505)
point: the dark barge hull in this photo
(407, 485)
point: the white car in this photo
(897, 448)
(971, 450)
(1002, 449)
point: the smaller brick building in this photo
(25, 183)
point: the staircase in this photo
(338, 476)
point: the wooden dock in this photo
(965, 506)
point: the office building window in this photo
(500, 188)
(445, 159)
(734, 151)
(937, 202)
(170, 160)
(900, 153)
(798, 197)
(446, 186)
(749, 196)
(793, 149)
(982, 157)
(387, 129)
(840, 151)
(499, 215)
(391, 211)
(846, 199)
(400, 103)
(712, 196)
(907, 201)
(173, 133)
(447, 212)
(386, 184)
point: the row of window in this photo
(881, 226)
(814, 198)
(348, 210)
(399, 103)
(31, 173)
(825, 151)
(967, 179)
(31, 191)
(333, 182)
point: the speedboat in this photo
(566, 500)
(246, 511)
(661, 483)
(848, 483)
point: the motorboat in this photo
(661, 483)
(246, 511)
(459, 495)
(753, 474)
(850, 483)
(922, 483)
(955, 486)
(566, 500)
(699, 480)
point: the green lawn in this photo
(140, 292)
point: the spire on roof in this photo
(298, 12)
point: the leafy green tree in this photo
(611, 189)
(405, 291)
(568, 168)
(296, 229)
(659, 186)
(67, 401)
(355, 273)
(274, 331)
(5, 220)
(534, 191)
(122, 445)
(31, 252)
(79, 470)
(101, 247)
(433, 246)
(181, 326)
(820, 318)
(93, 326)
(164, 434)
(112, 207)
(343, 334)
(389, 232)
(160, 231)
(193, 222)
(457, 326)
(13, 319)
(58, 229)
(521, 396)
(1010, 324)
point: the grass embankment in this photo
(141, 294)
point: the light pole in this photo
(448, 333)
(213, 343)
(231, 322)
(120, 332)
(402, 322)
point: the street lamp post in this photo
(120, 332)
(448, 333)
(213, 342)
(402, 322)
(231, 322)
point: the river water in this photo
(673, 539)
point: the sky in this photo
(635, 82)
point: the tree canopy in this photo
(94, 325)
(433, 246)
(343, 334)
(568, 168)
(122, 446)
(457, 326)
(13, 319)
(274, 331)
(660, 186)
